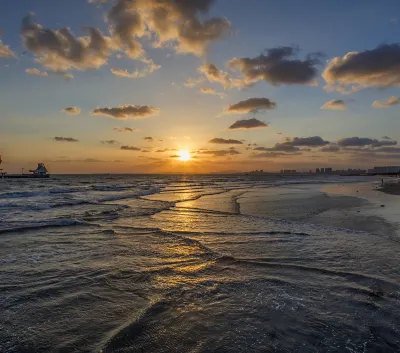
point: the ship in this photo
(40, 172)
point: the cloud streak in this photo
(130, 148)
(251, 105)
(72, 110)
(127, 112)
(65, 139)
(334, 104)
(364, 141)
(390, 102)
(36, 72)
(124, 129)
(222, 141)
(246, 124)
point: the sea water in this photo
(194, 264)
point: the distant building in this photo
(328, 170)
(317, 170)
(385, 170)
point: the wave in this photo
(45, 224)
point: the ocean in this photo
(213, 263)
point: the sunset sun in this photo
(184, 155)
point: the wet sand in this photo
(391, 187)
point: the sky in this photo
(165, 86)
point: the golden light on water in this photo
(184, 155)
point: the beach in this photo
(199, 264)
(391, 187)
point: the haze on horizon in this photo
(150, 86)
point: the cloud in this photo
(388, 103)
(166, 150)
(36, 72)
(60, 50)
(173, 22)
(215, 75)
(378, 67)
(313, 141)
(364, 141)
(251, 105)
(278, 66)
(279, 147)
(334, 104)
(68, 76)
(127, 111)
(212, 91)
(330, 148)
(129, 148)
(222, 141)
(248, 124)
(148, 139)
(72, 110)
(109, 142)
(386, 137)
(191, 81)
(65, 139)
(273, 154)
(220, 153)
(5, 51)
(149, 69)
(124, 129)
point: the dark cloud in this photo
(72, 110)
(148, 139)
(313, 141)
(330, 148)
(378, 67)
(130, 148)
(219, 153)
(388, 103)
(387, 150)
(65, 139)
(279, 147)
(279, 66)
(127, 111)
(5, 51)
(251, 105)
(334, 104)
(222, 141)
(109, 142)
(364, 141)
(60, 50)
(124, 129)
(248, 124)
(386, 137)
(175, 156)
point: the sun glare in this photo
(184, 155)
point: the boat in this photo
(40, 172)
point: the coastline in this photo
(391, 187)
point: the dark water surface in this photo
(193, 264)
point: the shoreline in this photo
(391, 187)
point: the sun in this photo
(184, 155)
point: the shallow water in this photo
(194, 264)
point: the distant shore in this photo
(391, 187)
